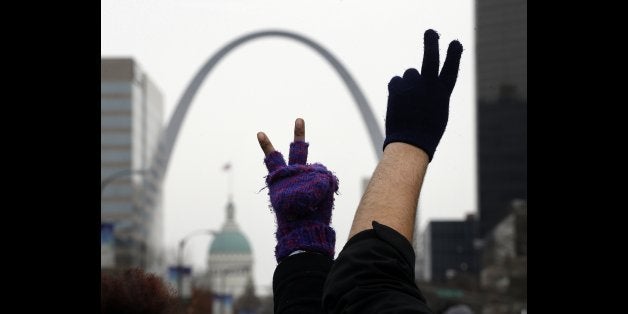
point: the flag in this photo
(226, 167)
(107, 246)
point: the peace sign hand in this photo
(302, 196)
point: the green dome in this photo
(230, 242)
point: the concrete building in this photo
(131, 109)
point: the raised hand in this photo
(302, 197)
(418, 103)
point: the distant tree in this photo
(201, 301)
(135, 291)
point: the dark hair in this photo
(134, 291)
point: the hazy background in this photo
(265, 84)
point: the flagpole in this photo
(227, 168)
(230, 183)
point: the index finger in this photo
(265, 144)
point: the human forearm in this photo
(416, 117)
(392, 194)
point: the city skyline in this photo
(266, 84)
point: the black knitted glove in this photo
(418, 104)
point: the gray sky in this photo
(265, 84)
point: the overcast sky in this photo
(265, 84)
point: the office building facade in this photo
(131, 123)
(448, 251)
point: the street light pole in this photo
(222, 274)
(182, 243)
(116, 175)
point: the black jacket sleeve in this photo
(374, 273)
(298, 283)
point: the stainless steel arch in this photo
(171, 132)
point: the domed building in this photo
(230, 263)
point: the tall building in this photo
(502, 89)
(502, 48)
(230, 263)
(448, 251)
(131, 111)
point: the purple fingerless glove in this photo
(302, 197)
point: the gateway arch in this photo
(169, 135)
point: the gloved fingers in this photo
(274, 161)
(395, 85)
(298, 153)
(411, 75)
(298, 148)
(449, 73)
(429, 69)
